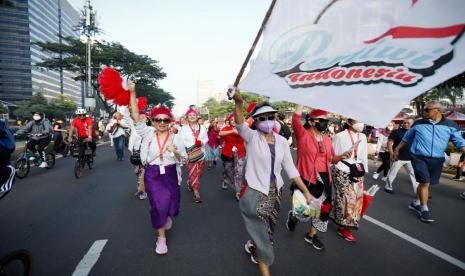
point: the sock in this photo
(416, 202)
(424, 208)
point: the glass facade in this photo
(27, 22)
(15, 53)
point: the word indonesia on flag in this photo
(363, 59)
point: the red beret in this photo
(230, 117)
(160, 110)
(317, 113)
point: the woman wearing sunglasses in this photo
(314, 157)
(267, 154)
(194, 137)
(160, 155)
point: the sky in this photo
(191, 39)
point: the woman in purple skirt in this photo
(160, 156)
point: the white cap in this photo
(263, 110)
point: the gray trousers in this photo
(395, 167)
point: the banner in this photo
(363, 59)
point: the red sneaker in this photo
(346, 234)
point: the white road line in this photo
(418, 243)
(90, 259)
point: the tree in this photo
(143, 70)
(38, 103)
(62, 107)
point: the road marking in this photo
(90, 259)
(418, 243)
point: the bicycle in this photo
(18, 262)
(31, 158)
(84, 155)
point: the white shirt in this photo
(381, 146)
(187, 135)
(342, 143)
(120, 130)
(258, 167)
(150, 151)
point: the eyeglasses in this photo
(165, 121)
(82, 115)
(269, 118)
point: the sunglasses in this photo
(165, 121)
(263, 118)
(81, 115)
(429, 109)
(321, 120)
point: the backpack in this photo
(285, 131)
(7, 139)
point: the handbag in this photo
(356, 169)
(135, 158)
(195, 153)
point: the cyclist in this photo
(40, 132)
(85, 130)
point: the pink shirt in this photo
(309, 159)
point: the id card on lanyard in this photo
(355, 148)
(161, 148)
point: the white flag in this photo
(363, 59)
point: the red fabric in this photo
(213, 140)
(160, 110)
(250, 107)
(198, 143)
(230, 117)
(232, 140)
(191, 110)
(195, 170)
(308, 151)
(325, 207)
(82, 125)
(110, 85)
(367, 200)
(142, 103)
(317, 113)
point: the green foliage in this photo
(3, 109)
(62, 107)
(38, 103)
(142, 69)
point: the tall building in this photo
(205, 90)
(31, 21)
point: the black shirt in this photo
(396, 136)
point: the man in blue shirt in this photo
(429, 138)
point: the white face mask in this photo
(358, 127)
(36, 117)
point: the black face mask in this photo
(321, 126)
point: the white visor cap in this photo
(263, 110)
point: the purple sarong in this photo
(163, 193)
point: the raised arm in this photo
(239, 108)
(133, 102)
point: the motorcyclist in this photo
(40, 132)
(85, 129)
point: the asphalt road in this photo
(58, 218)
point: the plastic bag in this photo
(303, 211)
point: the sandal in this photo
(197, 198)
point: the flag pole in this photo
(257, 38)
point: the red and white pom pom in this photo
(111, 86)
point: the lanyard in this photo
(196, 132)
(162, 147)
(352, 140)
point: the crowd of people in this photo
(331, 165)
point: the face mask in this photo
(36, 117)
(358, 127)
(266, 126)
(321, 126)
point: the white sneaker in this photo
(43, 165)
(384, 179)
(32, 158)
(375, 175)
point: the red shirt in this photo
(309, 159)
(232, 140)
(82, 126)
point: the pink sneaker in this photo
(168, 224)
(161, 248)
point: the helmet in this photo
(81, 111)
